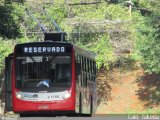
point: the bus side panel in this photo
(86, 89)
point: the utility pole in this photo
(129, 3)
(130, 8)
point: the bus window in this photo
(83, 65)
(85, 73)
(43, 72)
(86, 64)
(76, 58)
(92, 74)
(94, 70)
(82, 71)
(90, 70)
(91, 66)
(62, 73)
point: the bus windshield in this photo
(43, 72)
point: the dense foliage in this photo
(148, 37)
(105, 28)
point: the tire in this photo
(80, 106)
(91, 107)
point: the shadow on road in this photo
(52, 115)
(103, 86)
(149, 90)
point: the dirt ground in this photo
(130, 93)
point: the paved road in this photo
(68, 118)
(95, 117)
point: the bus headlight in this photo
(67, 95)
(18, 95)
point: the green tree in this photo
(9, 20)
(149, 34)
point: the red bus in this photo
(50, 76)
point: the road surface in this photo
(95, 117)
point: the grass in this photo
(147, 111)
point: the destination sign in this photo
(44, 49)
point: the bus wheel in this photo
(80, 105)
(91, 107)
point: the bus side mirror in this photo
(78, 68)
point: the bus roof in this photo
(42, 43)
(84, 52)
